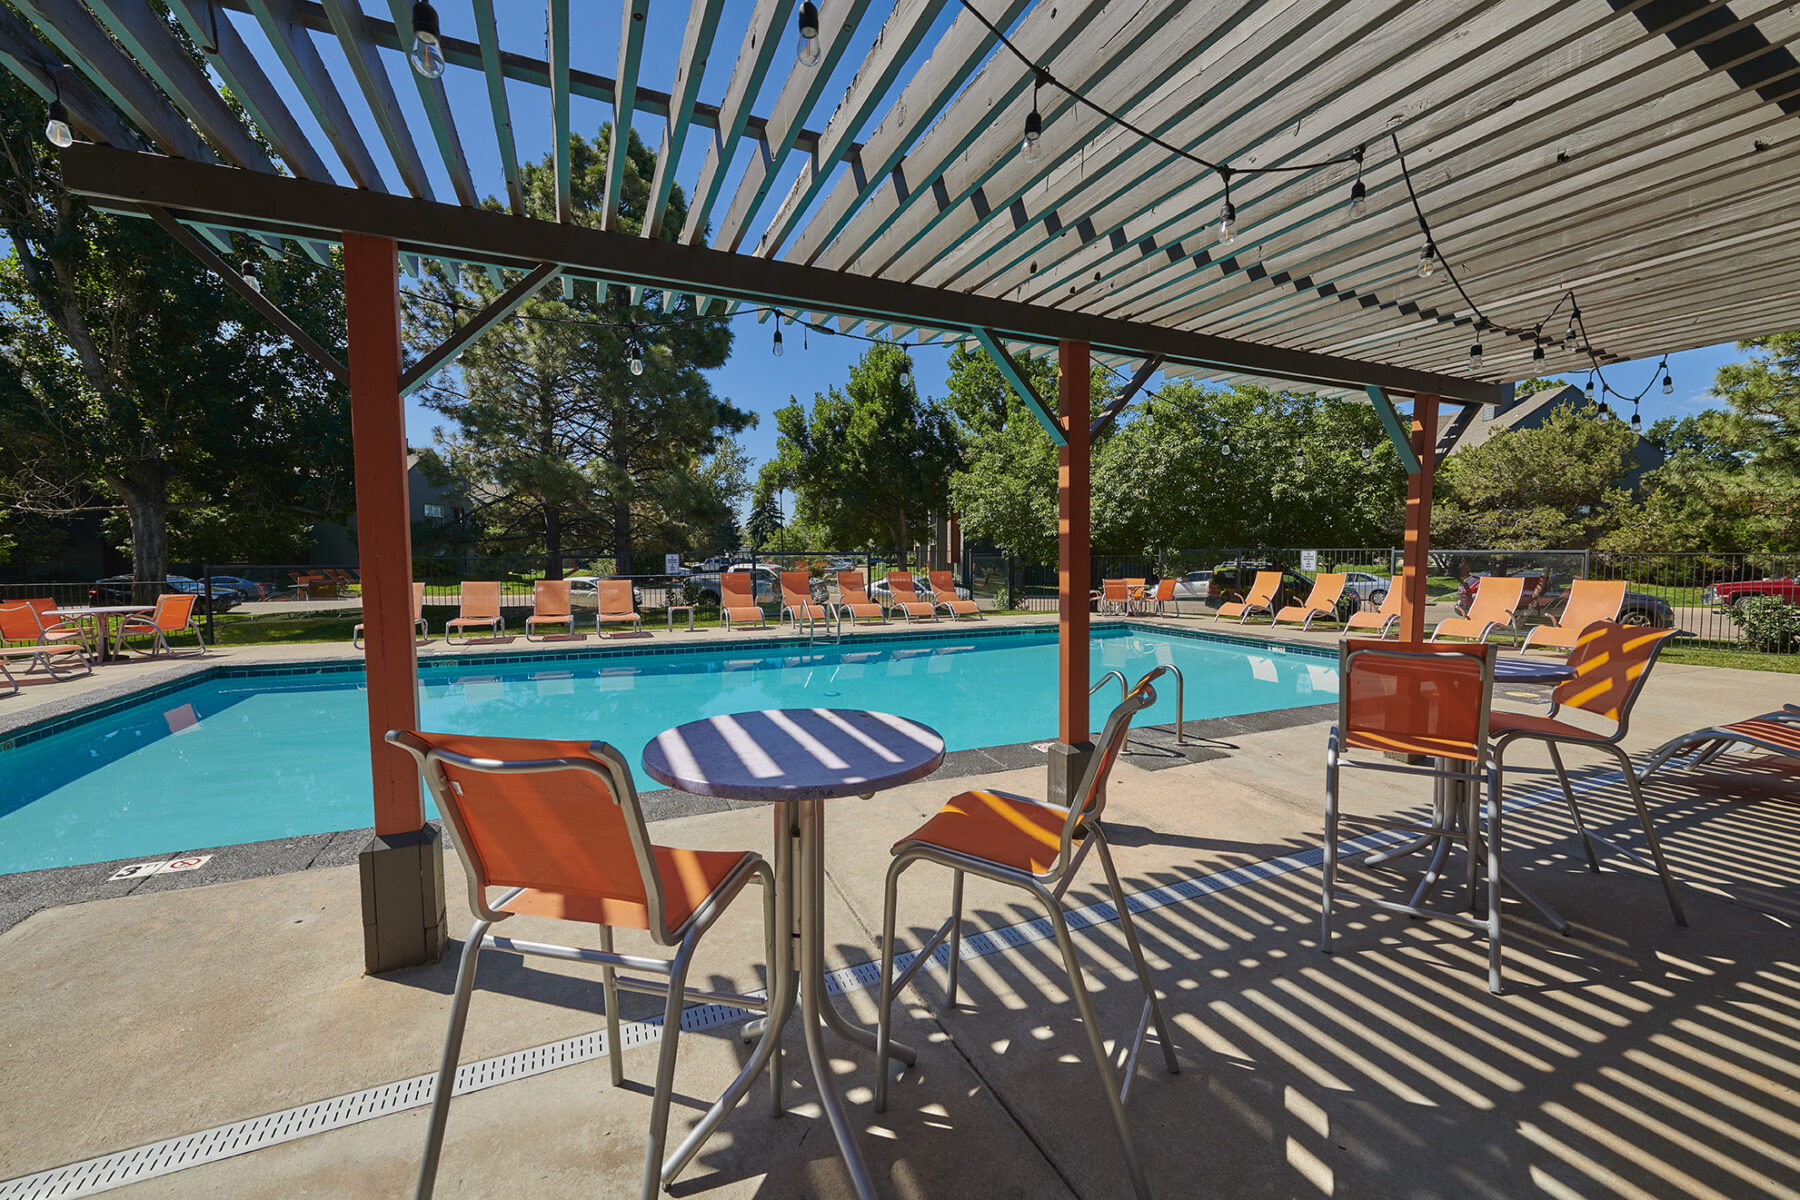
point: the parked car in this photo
(584, 592)
(249, 589)
(119, 589)
(1726, 595)
(1365, 586)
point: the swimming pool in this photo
(262, 756)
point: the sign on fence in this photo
(1309, 560)
(671, 564)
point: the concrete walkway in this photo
(1634, 1057)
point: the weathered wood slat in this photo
(558, 43)
(690, 66)
(437, 113)
(352, 29)
(632, 19)
(489, 35)
(293, 45)
(770, 24)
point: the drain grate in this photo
(115, 1170)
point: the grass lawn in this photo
(1743, 660)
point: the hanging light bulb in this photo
(1359, 199)
(1537, 354)
(1475, 357)
(1034, 129)
(1569, 334)
(249, 274)
(427, 55)
(1227, 224)
(1637, 422)
(809, 50)
(1668, 384)
(56, 129)
(776, 349)
(1427, 259)
(635, 358)
(1605, 410)
(1589, 390)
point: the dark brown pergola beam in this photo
(1117, 404)
(242, 287)
(123, 181)
(498, 309)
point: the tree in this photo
(765, 523)
(726, 476)
(1552, 487)
(559, 441)
(870, 462)
(1537, 383)
(129, 372)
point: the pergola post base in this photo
(1067, 765)
(404, 918)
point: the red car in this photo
(1725, 595)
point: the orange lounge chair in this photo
(558, 828)
(480, 606)
(174, 613)
(737, 593)
(20, 622)
(1383, 620)
(943, 595)
(614, 600)
(797, 602)
(1261, 598)
(1115, 596)
(906, 597)
(1037, 847)
(1496, 600)
(1322, 601)
(1589, 600)
(423, 631)
(853, 598)
(1776, 731)
(550, 606)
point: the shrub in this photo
(1770, 624)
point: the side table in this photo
(686, 608)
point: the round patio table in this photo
(1518, 669)
(103, 616)
(797, 759)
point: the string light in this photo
(249, 274)
(1537, 354)
(1668, 383)
(776, 349)
(634, 350)
(809, 51)
(1227, 213)
(56, 129)
(427, 55)
(1637, 422)
(1475, 350)
(1034, 123)
(1359, 195)
(1590, 387)
(1427, 259)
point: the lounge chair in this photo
(1322, 601)
(853, 599)
(1777, 731)
(421, 629)
(480, 605)
(1036, 847)
(737, 599)
(1115, 597)
(943, 595)
(797, 602)
(1383, 620)
(49, 630)
(906, 597)
(1590, 600)
(616, 605)
(21, 622)
(174, 613)
(1496, 600)
(557, 828)
(40, 656)
(550, 606)
(1261, 598)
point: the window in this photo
(435, 512)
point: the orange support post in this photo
(402, 868)
(1418, 520)
(1072, 528)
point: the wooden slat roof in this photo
(1639, 152)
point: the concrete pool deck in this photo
(1634, 1057)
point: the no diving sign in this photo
(167, 866)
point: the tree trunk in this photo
(145, 493)
(621, 516)
(553, 540)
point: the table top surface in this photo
(794, 754)
(102, 610)
(1531, 670)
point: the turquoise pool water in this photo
(249, 759)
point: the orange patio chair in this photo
(737, 594)
(1261, 598)
(20, 622)
(1589, 600)
(1036, 847)
(1137, 590)
(1415, 698)
(421, 630)
(480, 605)
(557, 826)
(1777, 731)
(906, 598)
(1115, 596)
(1322, 601)
(943, 595)
(797, 602)
(1611, 663)
(853, 599)
(616, 605)
(1162, 601)
(1496, 601)
(1383, 620)
(550, 606)
(174, 613)
(53, 631)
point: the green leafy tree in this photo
(871, 462)
(766, 521)
(559, 443)
(132, 377)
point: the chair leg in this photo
(665, 1070)
(1656, 854)
(1137, 951)
(1495, 984)
(1096, 1043)
(1329, 889)
(956, 905)
(884, 990)
(1562, 775)
(609, 980)
(446, 1076)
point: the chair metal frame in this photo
(949, 605)
(904, 605)
(610, 768)
(1081, 831)
(40, 656)
(497, 622)
(848, 603)
(153, 627)
(1454, 807)
(1716, 740)
(797, 604)
(421, 631)
(537, 617)
(1609, 744)
(53, 632)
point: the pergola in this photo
(1632, 157)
